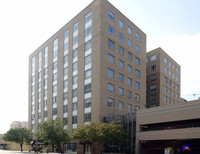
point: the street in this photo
(12, 152)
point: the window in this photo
(153, 58)
(153, 97)
(165, 89)
(65, 120)
(121, 51)
(87, 117)
(75, 79)
(111, 30)
(129, 107)
(165, 70)
(88, 74)
(111, 59)
(54, 111)
(88, 59)
(121, 77)
(74, 93)
(177, 79)
(177, 70)
(153, 77)
(111, 44)
(87, 103)
(74, 119)
(137, 37)
(88, 31)
(129, 43)
(111, 88)
(177, 95)
(45, 71)
(65, 109)
(129, 94)
(129, 69)
(129, 82)
(121, 91)
(121, 37)
(165, 60)
(121, 64)
(75, 53)
(45, 82)
(165, 98)
(66, 71)
(74, 106)
(137, 85)
(65, 96)
(111, 16)
(88, 17)
(173, 75)
(173, 84)
(120, 105)
(66, 59)
(170, 73)
(65, 84)
(169, 91)
(137, 73)
(173, 93)
(88, 45)
(169, 100)
(75, 27)
(153, 87)
(111, 73)
(87, 88)
(110, 102)
(137, 49)
(55, 89)
(165, 79)
(55, 77)
(55, 66)
(137, 61)
(153, 67)
(129, 31)
(173, 67)
(129, 56)
(75, 66)
(177, 87)
(121, 24)
(170, 82)
(137, 97)
(39, 76)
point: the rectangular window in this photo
(153, 97)
(137, 49)
(74, 119)
(153, 87)
(121, 24)
(65, 109)
(88, 17)
(111, 59)
(121, 91)
(111, 73)
(55, 77)
(75, 27)
(169, 91)
(65, 120)
(111, 88)
(87, 117)
(66, 71)
(65, 59)
(137, 61)
(121, 37)
(165, 89)
(137, 37)
(165, 79)
(129, 108)
(129, 69)
(54, 88)
(121, 51)
(165, 69)
(169, 100)
(165, 60)
(65, 84)
(75, 93)
(153, 77)
(54, 99)
(121, 77)
(121, 64)
(153, 68)
(137, 97)
(111, 16)
(87, 103)
(88, 45)
(75, 79)
(129, 94)
(88, 31)
(129, 31)
(110, 102)
(74, 106)
(54, 111)
(137, 73)
(75, 53)
(65, 96)
(88, 74)
(120, 105)
(111, 44)
(88, 59)
(111, 30)
(129, 43)
(153, 58)
(137, 85)
(87, 88)
(129, 82)
(75, 66)
(129, 56)
(165, 98)
(55, 66)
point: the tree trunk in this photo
(21, 147)
(59, 146)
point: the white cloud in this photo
(185, 50)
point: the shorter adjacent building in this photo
(163, 79)
(19, 124)
(171, 127)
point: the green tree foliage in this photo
(53, 132)
(19, 136)
(97, 134)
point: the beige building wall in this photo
(99, 69)
(167, 80)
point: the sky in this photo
(173, 25)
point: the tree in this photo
(98, 134)
(18, 135)
(53, 132)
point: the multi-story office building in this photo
(19, 124)
(93, 67)
(163, 79)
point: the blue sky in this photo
(173, 25)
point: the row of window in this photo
(111, 103)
